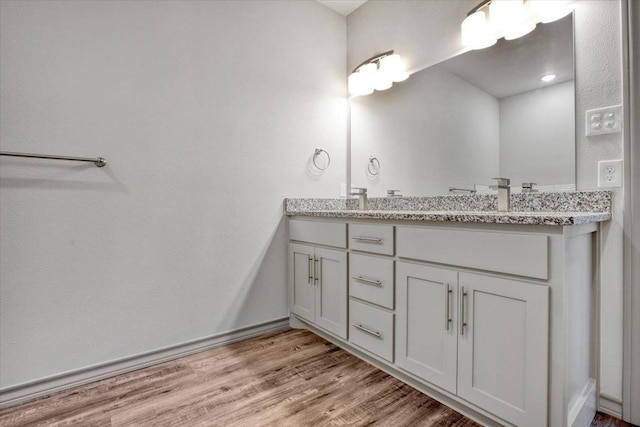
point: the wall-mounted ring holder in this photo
(373, 166)
(321, 159)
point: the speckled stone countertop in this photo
(565, 208)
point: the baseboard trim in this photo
(584, 409)
(610, 405)
(25, 392)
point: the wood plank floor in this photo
(293, 378)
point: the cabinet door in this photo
(331, 292)
(426, 337)
(301, 281)
(503, 347)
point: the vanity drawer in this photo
(512, 253)
(372, 329)
(371, 238)
(319, 232)
(371, 279)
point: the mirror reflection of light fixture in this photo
(510, 19)
(548, 78)
(379, 72)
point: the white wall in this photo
(422, 32)
(599, 84)
(428, 32)
(532, 125)
(207, 113)
(414, 131)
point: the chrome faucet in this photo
(527, 187)
(504, 193)
(363, 205)
(393, 193)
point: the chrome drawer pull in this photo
(463, 317)
(447, 298)
(369, 331)
(367, 239)
(369, 281)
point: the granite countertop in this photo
(546, 218)
(533, 209)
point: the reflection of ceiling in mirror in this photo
(516, 66)
(343, 7)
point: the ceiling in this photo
(343, 7)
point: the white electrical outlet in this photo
(343, 189)
(605, 120)
(609, 173)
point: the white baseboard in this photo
(610, 405)
(22, 393)
(584, 408)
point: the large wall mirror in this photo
(479, 115)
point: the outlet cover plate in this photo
(601, 121)
(609, 173)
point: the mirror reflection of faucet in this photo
(462, 190)
(527, 187)
(362, 197)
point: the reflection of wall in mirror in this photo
(537, 136)
(416, 131)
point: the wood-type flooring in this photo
(292, 378)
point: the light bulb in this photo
(546, 11)
(517, 31)
(382, 83)
(476, 32)
(364, 80)
(509, 19)
(400, 77)
(392, 68)
(357, 85)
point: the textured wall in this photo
(427, 32)
(207, 113)
(598, 56)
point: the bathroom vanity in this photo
(491, 313)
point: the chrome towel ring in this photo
(321, 161)
(373, 166)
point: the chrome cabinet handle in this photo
(368, 281)
(310, 266)
(369, 331)
(463, 318)
(447, 302)
(316, 271)
(367, 239)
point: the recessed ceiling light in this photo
(548, 77)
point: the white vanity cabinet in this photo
(318, 275)
(495, 320)
(426, 310)
(503, 347)
(480, 337)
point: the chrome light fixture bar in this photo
(493, 19)
(377, 73)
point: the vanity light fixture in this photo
(548, 78)
(379, 72)
(511, 19)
